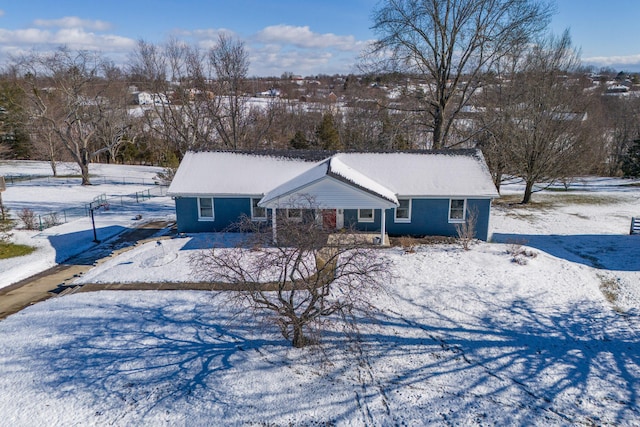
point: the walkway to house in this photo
(57, 280)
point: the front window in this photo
(365, 215)
(258, 213)
(205, 209)
(294, 214)
(403, 211)
(457, 210)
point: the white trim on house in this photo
(318, 187)
(202, 217)
(457, 219)
(254, 206)
(406, 219)
(328, 192)
(367, 218)
(294, 214)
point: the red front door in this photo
(329, 219)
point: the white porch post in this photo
(383, 225)
(274, 226)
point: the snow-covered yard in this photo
(462, 338)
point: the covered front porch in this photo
(329, 189)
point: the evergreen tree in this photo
(631, 162)
(13, 135)
(299, 142)
(327, 134)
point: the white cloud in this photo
(73, 22)
(627, 62)
(78, 38)
(303, 37)
(273, 60)
(26, 36)
(16, 42)
(1, 12)
(614, 60)
(207, 38)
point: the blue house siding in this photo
(429, 217)
(227, 211)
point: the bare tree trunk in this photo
(299, 340)
(528, 191)
(54, 166)
(437, 144)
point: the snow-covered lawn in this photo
(462, 338)
(65, 196)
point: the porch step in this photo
(635, 225)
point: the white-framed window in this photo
(457, 209)
(257, 213)
(294, 214)
(403, 211)
(365, 215)
(205, 209)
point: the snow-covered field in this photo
(462, 338)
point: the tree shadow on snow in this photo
(513, 364)
(605, 252)
(146, 358)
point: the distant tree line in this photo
(443, 74)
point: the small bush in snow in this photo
(467, 230)
(28, 218)
(519, 254)
(408, 244)
(51, 220)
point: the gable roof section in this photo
(334, 169)
(453, 173)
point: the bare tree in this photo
(536, 129)
(64, 92)
(182, 114)
(621, 125)
(116, 125)
(230, 62)
(300, 281)
(449, 44)
(46, 144)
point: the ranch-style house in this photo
(414, 193)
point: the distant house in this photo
(396, 193)
(147, 98)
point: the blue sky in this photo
(300, 36)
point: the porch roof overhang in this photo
(330, 184)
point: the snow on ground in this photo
(66, 196)
(462, 338)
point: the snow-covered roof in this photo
(228, 173)
(455, 173)
(331, 167)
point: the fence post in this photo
(40, 221)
